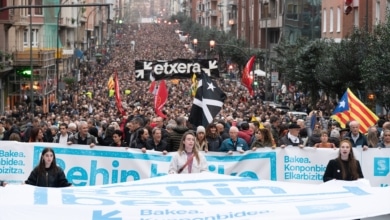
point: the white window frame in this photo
(377, 12)
(324, 21)
(331, 20)
(26, 37)
(338, 25)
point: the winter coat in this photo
(50, 178)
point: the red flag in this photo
(152, 87)
(118, 96)
(160, 98)
(247, 79)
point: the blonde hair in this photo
(195, 150)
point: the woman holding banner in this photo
(47, 173)
(183, 161)
(345, 166)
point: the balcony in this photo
(213, 13)
(40, 58)
(292, 16)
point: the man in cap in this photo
(292, 138)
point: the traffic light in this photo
(25, 72)
(348, 6)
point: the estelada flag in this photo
(110, 83)
(247, 79)
(350, 108)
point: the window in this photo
(274, 36)
(338, 20)
(38, 11)
(265, 11)
(388, 6)
(356, 17)
(324, 19)
(26, 11)
(377, 13)
(26, 37)
(331, 20)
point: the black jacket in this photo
(286, 141)
(50, 178)
(214, 143)
(175, 138)
(123, 144)
(161, 146)
(13, 129)
(333, 171)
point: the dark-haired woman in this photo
(36, 135)
(263, 139)
(345, 166)
(214, 141)
(47, 173)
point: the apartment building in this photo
(337, 24)
(42, 45)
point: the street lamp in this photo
(212, 45)
(231, 24)
(31, 62)
(195, 44)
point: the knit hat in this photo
(200, 129)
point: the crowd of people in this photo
(89, 115)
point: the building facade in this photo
(336, 24)
(43, 45)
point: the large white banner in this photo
(106, 165)
(196, 197)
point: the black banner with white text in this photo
(175, 69)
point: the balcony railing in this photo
(40, 58)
